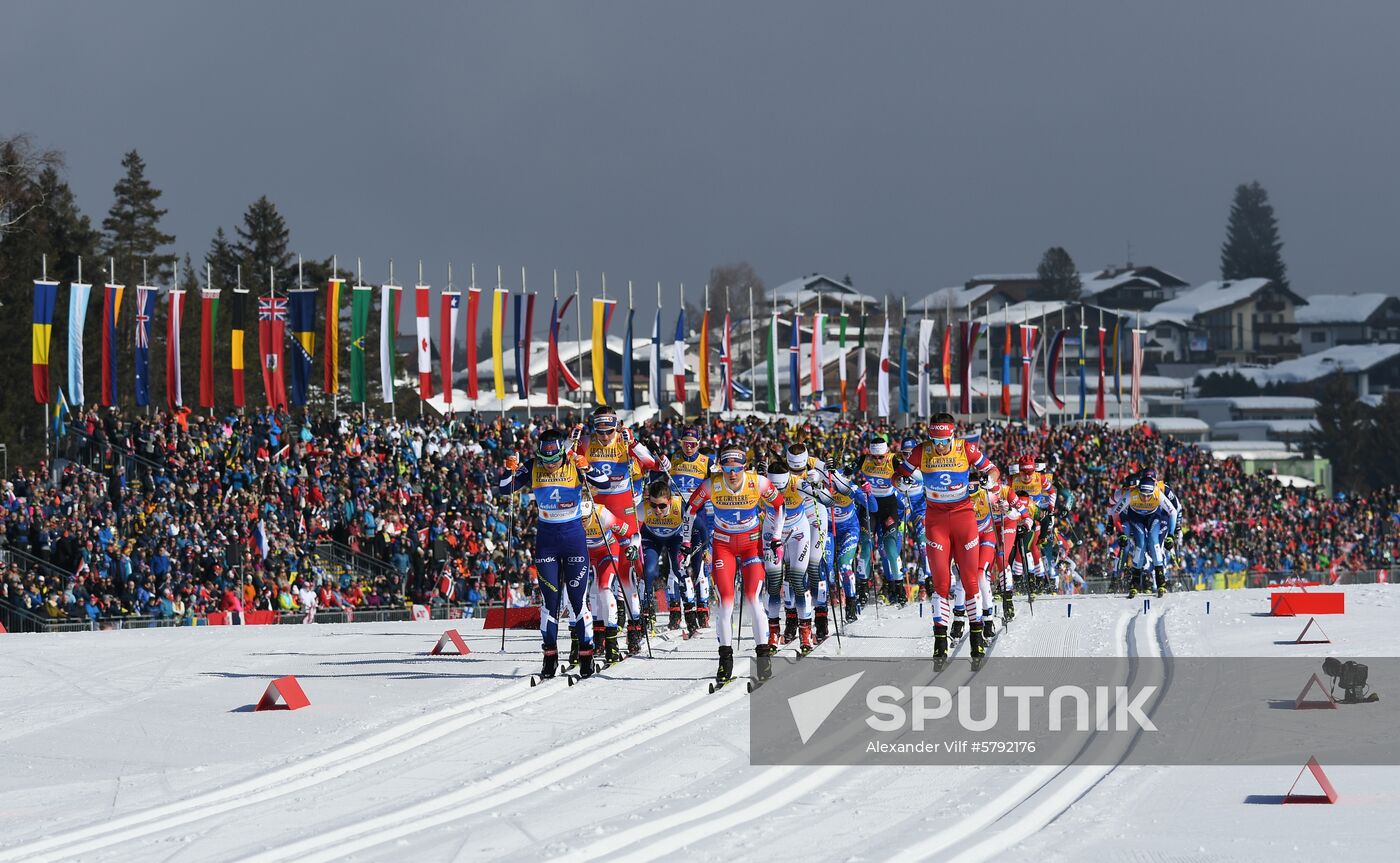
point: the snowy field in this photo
(141, 745)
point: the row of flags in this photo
(287, 330)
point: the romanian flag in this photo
(175, 317)
(238, 317)
(498, 335)
(360, 298)
(602, 315)
(332, 384)
(704, 375)
(111, 309)
(302, 308)
(473, 301)
(45, 294)
(209, 315)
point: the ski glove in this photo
(1169, 543)
(630, 551)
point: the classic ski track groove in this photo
(320, 768)
(1048, 789)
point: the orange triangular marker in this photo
(1312, 621)
(1328, 795)
(1329, 704)
(454, 638)
(288, 691)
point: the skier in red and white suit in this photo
(606, 538)
(743, 536)
(950, 523)
(613, 449)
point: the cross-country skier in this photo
(950, 523)
(691, 467)
(878, 470)
(561, 551)
(662, 517)
(800, 567)
(1147, 513)
(850, 503)
(608, 554)
(738, 544)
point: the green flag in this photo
(360, 300)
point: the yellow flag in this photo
(498, 326)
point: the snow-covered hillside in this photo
(141, 745)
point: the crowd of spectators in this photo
(177, 515)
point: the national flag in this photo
(1028, 344)
(111, 311)
(302, 311)
(272, 324)
(926, 328)
(903, 370)
(726, 367)
(60, 415)
(421, 303)
(390, 299)
(629, 393)
(260, 537)
(1083, 387)
(678, 356)
(332, 359)
(1117, 360)
(947, 366)
(45, 295)
(703, 375)
(1052, 368)
(795, 365)
(882, 380)
(818, 375)
(447, 339)
(174, 318)
(602, 316)
(969, 334)
(841, 367)
(558, 367)
(208, 320)
(361, 296)
(1137, 373)
(1098, 398)
(529, 337)
(862, 401)
(498, 337)
(551, 375)
(773, 363)
(654, 375)
(473, 301)
(1006, 372)
(145, 299)
(524, 323)
(237, 318)
(78, 296)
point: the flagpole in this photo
(44, 408)
(627, 353)
(704, 359)
(360, 283)
(524, 349)
(335, 400)
(1118, 361)
(990, 338)
(904, 352)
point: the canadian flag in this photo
(425, 353)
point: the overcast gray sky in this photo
(910, 145)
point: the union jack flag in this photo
(143, 332)
(272, 308)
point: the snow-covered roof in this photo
(1028, 312)
(956, 297)
(1095, 283)
(1006, 277)
(1339, 308)
(1279, 427)
(1260, 403)
(1344, 358)
(1210, 296)
(809, 288)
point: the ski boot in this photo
(959, 624)
(790, 627)
(989, 628)
(852, 611)
(675, 614)
(634, 638)
(611, 651)
(574, 652)
(977, 647)
(1160, 576)
(726, 667)
(551, 664)
(940, 646)
(692, 623)
(1008, 607)
(862, 592)
(804, 635)
(775, 633)
(763, 662)
(702, 614)
(600, 633)
(585, 662)
(821, 625)
(1133, 585)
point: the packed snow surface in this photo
(141, 745)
